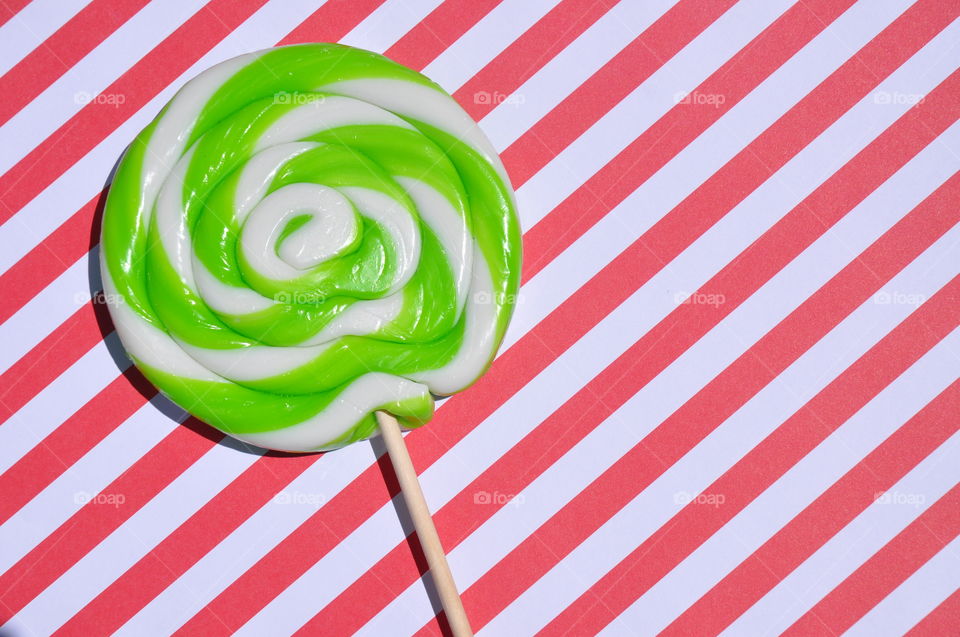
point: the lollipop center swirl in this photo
(298, 227)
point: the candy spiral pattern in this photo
(305, 235)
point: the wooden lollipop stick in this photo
(426, 531)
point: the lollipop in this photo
(307, 239)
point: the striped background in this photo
(729, 400)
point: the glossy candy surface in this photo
(305, 235)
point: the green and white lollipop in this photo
(307, 235)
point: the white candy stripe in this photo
(480, 308)
(363, 317)
(262, 168)
(150, 345)
(398, 223)
(323, 114)
(451, 230)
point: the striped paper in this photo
(728, 401)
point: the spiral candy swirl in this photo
(306, 235)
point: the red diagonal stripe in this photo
(438, 30)
(823, 518)
(886, 569)
(313, 539)
(10, 8)
(941, 620)
(54, 57)
(333, 20)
